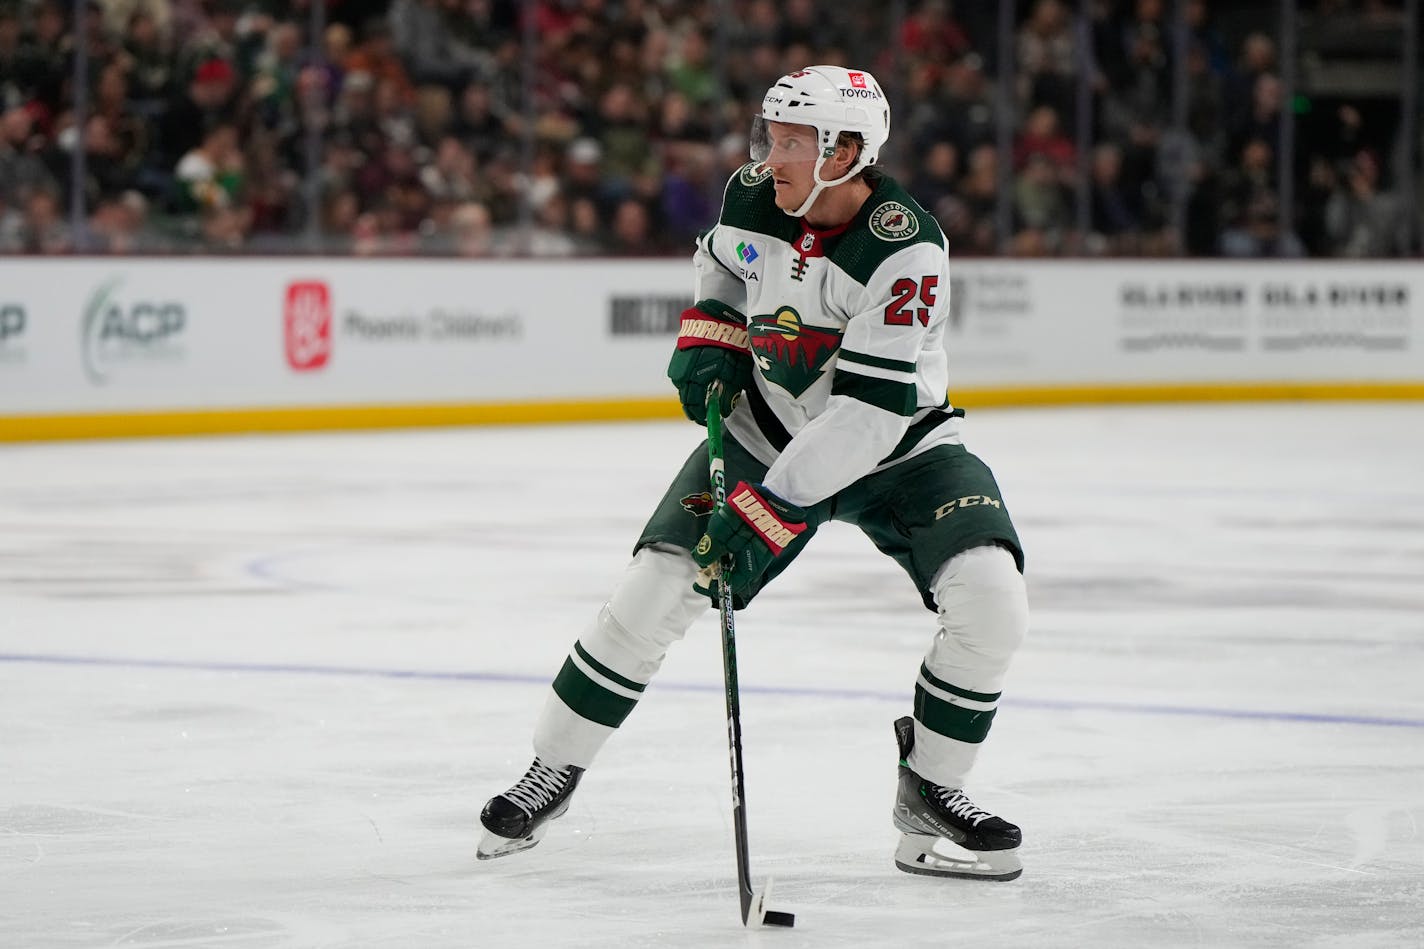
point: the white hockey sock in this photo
(983, 609)
(617, 655)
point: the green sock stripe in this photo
(606, 672)
(952, 721)
(939, 683)
(590, 700)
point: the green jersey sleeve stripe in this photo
(919, 431)
(897, 397)
(879, 362)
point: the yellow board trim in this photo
(326, 418)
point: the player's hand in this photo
(752, 528)
(711, 347)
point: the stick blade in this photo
(757, 913)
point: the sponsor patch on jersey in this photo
(747, 252)
(698, 504)
(892, 221)
(754, 173)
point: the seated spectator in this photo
(21, 71)
(1117, 213)
(477, 121)
(586, 225)
(931, 34)
(622, 132)
(979, 188)
(210, 176)
(22, 170)
(1047, 57)
(1042, 136)
(1041, 203)
(938, 175)
(631, 233)
(376, 57)
(1250, 211)
(209, 97)
(117, 225)
(1360, 219)
(422, 34)
(150, 55)
(690, 72)
(689, 193)
(472, 230)
(12, 227)
(1258, 234)
(45, 231)
(1263, 119)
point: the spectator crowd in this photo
(422, 127)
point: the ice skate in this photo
(517, 819)
(943, 833)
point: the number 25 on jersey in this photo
(899, 311)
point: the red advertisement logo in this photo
(857, 80)
(307, 317)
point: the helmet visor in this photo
(784, 143)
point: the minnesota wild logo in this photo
(892, 221)
(788, 352)
(754, 173)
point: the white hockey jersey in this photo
(846, 327)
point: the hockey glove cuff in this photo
(752, 528)
(711, 347)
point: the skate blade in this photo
(934, 856)
(493, 845)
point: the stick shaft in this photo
(717, 470)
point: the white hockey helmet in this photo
(832, 100)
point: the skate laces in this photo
(538, 787)
(954, 801)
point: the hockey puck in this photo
(776, 918)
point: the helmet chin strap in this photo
(822, 185)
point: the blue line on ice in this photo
(1063, 705)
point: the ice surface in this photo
(254, 691)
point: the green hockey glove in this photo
(711, 347)
(753, 528)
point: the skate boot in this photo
(943, 833)
(517, 819)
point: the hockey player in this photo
(822, 300)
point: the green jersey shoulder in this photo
(749, 204)
(888, 222)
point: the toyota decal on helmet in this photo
(831, 100)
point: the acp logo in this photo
(118, 331)
(12, 331)
(306, 319)
(12, 321)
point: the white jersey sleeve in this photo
(715, 279)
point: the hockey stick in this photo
(753, 902)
